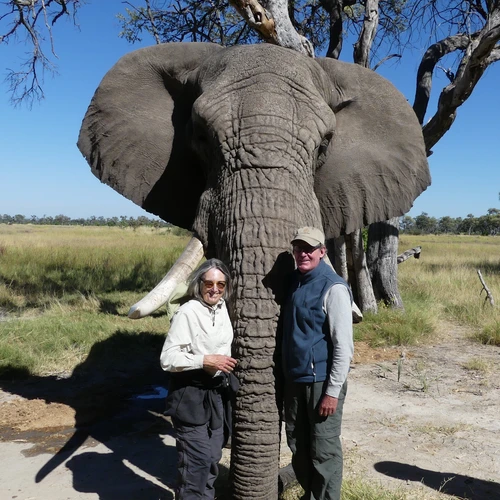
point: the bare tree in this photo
(271, 18)
(31, 21)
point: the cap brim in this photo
(309, 241)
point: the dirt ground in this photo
(420, 422)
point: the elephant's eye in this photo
(322, 150)
(199, 133)
(203, 142)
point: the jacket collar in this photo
(214, 307)
(313, 273)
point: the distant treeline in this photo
(63, 220)
(485, 225)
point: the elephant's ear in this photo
(376, 163)
(134, 132)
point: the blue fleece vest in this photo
(307, 346)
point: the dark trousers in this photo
(317, 458)
(199, 450)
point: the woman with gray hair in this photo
(197, 353)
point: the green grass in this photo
(393, 327)
(355, 489)
(39, 263)
(478, 365)
(66, 289)
(61, 337)
(441, 287)
(489, 334)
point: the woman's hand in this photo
(212, 363)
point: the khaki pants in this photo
(315, 441)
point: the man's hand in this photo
(327, 406)
(215, 362)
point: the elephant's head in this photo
(243, 145)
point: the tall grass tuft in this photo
(394, 327)
(355, 489)
(490, 334)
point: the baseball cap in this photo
(310, 235)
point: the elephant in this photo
(243, 145)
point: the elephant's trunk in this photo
(252, 232)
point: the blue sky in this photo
(43, 173)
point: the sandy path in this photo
(438, 425)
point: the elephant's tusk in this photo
(182, 268)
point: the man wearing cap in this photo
(317, 348)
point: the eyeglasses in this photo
(308, 249)
(221, 285)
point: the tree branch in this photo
(473, 65)
(334, 8)
(476, 5)
(35, 18)
(429, 61)
(64, 10)
(408, 253)
(386, 58)
(494, 56)
(364, 44)
(272, 21)
(486, 289)
(257, 17)
(152, 21)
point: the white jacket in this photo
(196, 329)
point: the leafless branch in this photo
(151, 20)
(429, 61)
(494, 56)
(64, 10)
(486, 289)
(471, 31)
(386, 58)
(474, 62)
(33, 19)
(334, 9)
(257, 18)
(408, 253)
(448, 72)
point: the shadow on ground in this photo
(445, 482)
(103, 391)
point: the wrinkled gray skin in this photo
(243, 145)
